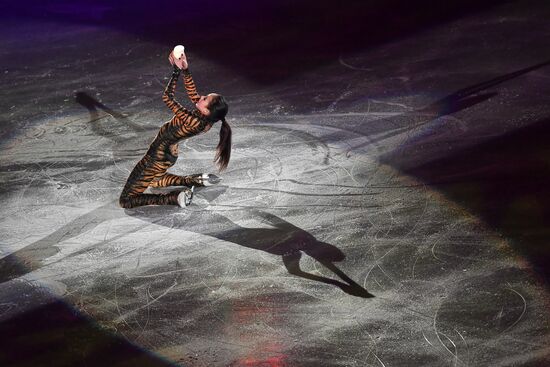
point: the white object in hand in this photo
(178, 51)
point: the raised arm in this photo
(168, 95)
(185, 123)
(190, 86)
(182, 64)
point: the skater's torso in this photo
(163, 151)
(183, 125)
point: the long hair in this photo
(218, 109)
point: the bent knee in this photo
(124, 202)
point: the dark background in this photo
(262, 40)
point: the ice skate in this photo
(206, 179)
(186, 197)
(210, 179)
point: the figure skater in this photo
(163, 152)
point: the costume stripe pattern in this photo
(163, 151)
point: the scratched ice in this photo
(396, 269)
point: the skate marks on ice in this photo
(402, 129)
(39, 328)
(283, 239)
(70, 173)
(459, 100)
(123, 135)
(283, 171)
(32, 256)
(94, 106)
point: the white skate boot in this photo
(186, 196)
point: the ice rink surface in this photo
(413, 174)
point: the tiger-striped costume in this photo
(163, 152)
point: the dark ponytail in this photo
(218, 110)
(223, 150)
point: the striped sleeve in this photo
(168, 95)
(190, 86)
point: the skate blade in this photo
(189, 196)
(211, 180)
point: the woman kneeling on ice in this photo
(163, 152)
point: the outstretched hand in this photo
(181, 63)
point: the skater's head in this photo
(214, 107)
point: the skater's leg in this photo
(199, 179)
(175, 180)
(143, 174)
(132, 201)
